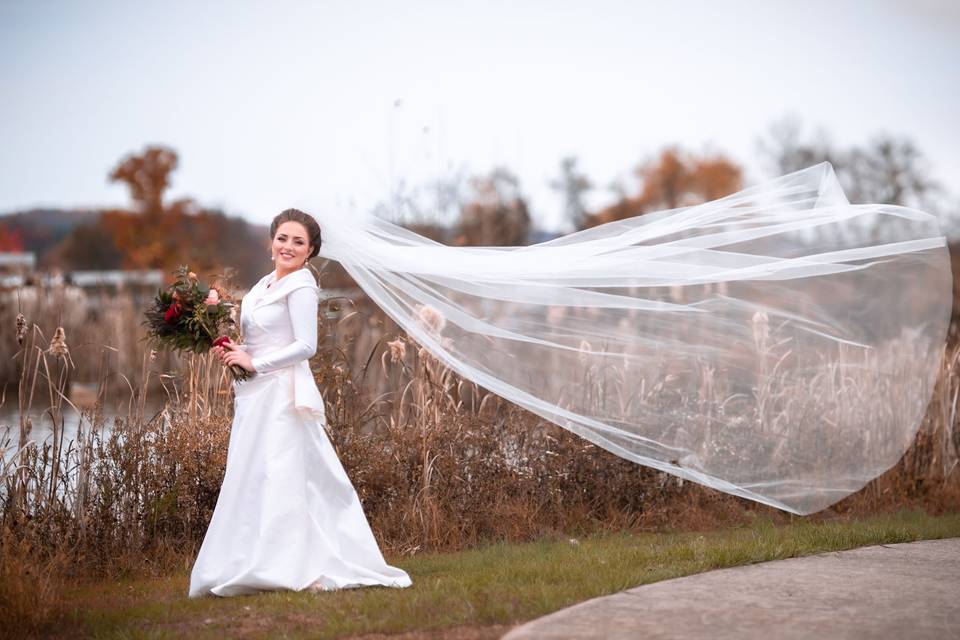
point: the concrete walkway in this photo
(907, 590)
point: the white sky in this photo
(278, 104)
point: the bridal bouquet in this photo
(190, 316)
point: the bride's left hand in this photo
(239, 357)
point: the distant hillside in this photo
(42, 229)
(76, 239)
(73, 239)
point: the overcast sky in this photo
(328, 104)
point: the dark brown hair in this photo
(295, 215)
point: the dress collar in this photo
(271, 277)
(286, 284)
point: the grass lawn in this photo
(480, 593)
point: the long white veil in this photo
(779, 344)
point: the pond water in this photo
(42, 430)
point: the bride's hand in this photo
(219, 351)
(234, 355)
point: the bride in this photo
(287, 516)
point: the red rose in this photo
(173, 312)
(222, 340)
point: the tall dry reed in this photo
(438, 462)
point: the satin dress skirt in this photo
(287, 516)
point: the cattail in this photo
(398, 349)
(584, 352)
(21, 329)
(431, 318)
(58, 346)
(555, 314)
(761, 329)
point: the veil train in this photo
(779, 343)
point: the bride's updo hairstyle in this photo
(295, 215)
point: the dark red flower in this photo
(173, 312)
(222, 340)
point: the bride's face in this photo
(290, 246)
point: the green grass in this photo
(499, 584)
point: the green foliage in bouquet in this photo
(191, 316)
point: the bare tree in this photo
(433, 205)
(888, 170)
(785, 152)
(572, 185)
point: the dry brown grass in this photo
(91, 320)
(438, 462)
(31, 585)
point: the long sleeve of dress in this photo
(302, 306)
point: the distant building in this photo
(18, 270)
(17, 261)
(116, 278)
(16, 267)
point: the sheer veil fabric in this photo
(779, 344)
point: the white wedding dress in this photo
(287, 516)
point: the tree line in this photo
(486, 210)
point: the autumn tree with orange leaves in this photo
(671, 180)
(497, 215)
(149, 236)
(155, 234)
